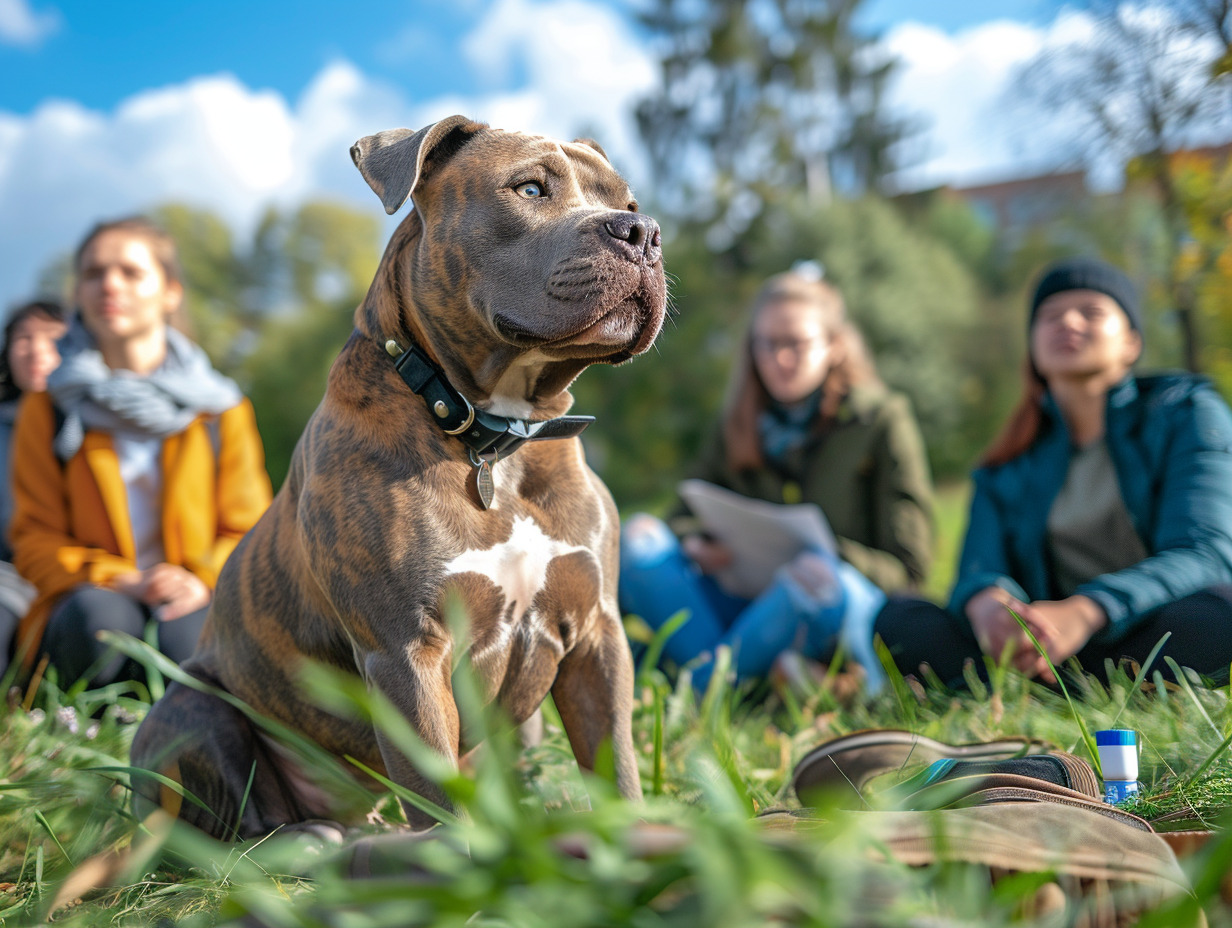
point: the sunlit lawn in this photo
(531, 853)
(950, 512)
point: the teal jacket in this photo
(1170, 439)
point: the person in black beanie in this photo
(1089, 274)
(1102, 513)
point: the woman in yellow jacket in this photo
(137, 472)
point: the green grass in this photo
(527, 852)
(950, 504)
(540, 844)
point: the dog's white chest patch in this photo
(518, 566)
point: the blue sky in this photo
(99, 53)
(108, 108)
(102, 52)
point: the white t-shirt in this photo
(142, 471)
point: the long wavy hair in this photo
(747, 396)
(46, 309)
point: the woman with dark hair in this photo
(138, 471)
(28, 356)
(807, 420)
(1102, 515)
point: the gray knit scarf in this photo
(93, 397)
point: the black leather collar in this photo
(483, 433)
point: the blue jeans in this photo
(657, 580)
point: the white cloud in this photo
(218, 144)
(582, 65)
(210, 142)
(979, 128)
(409, 42)
(20, 25)
(958, 84)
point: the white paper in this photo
(762, 536)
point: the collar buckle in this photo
(470, 418)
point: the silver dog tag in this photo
(484, 488)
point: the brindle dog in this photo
(524, 260)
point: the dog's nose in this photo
(637, 236)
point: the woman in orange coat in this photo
(28, 356)
(136, 474)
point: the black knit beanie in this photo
(1089, 274)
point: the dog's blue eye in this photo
(530, 190)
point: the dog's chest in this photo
(519, 566)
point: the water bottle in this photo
(1118, 759)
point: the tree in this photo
(311, 268)
(914, 300)
(220, 313)
(1201, 19)
(1204, 183)
(760, 98)
(1141, 85)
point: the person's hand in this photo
(710, 555)
(171, 591)
(995, 628)
(816, 572)
(1062, 628)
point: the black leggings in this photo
(920, 632)
(72, 647)
(8, 628)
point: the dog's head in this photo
(530, 259)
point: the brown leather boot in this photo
(841, 767)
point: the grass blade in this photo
(712, 711)
(654, 650)
(151, 774)
(1183, 682)
(440, 813)
(656, 786)
(902, 692)
(1087, 739)
(347, 696)
(154, 680)
(239, 814)
(1210, 759)
(42, 820)
(1140, 676)
(316, 758)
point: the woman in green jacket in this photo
(807, 420)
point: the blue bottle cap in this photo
(1111, 736)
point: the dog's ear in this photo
(394, 161)
(591, 143)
